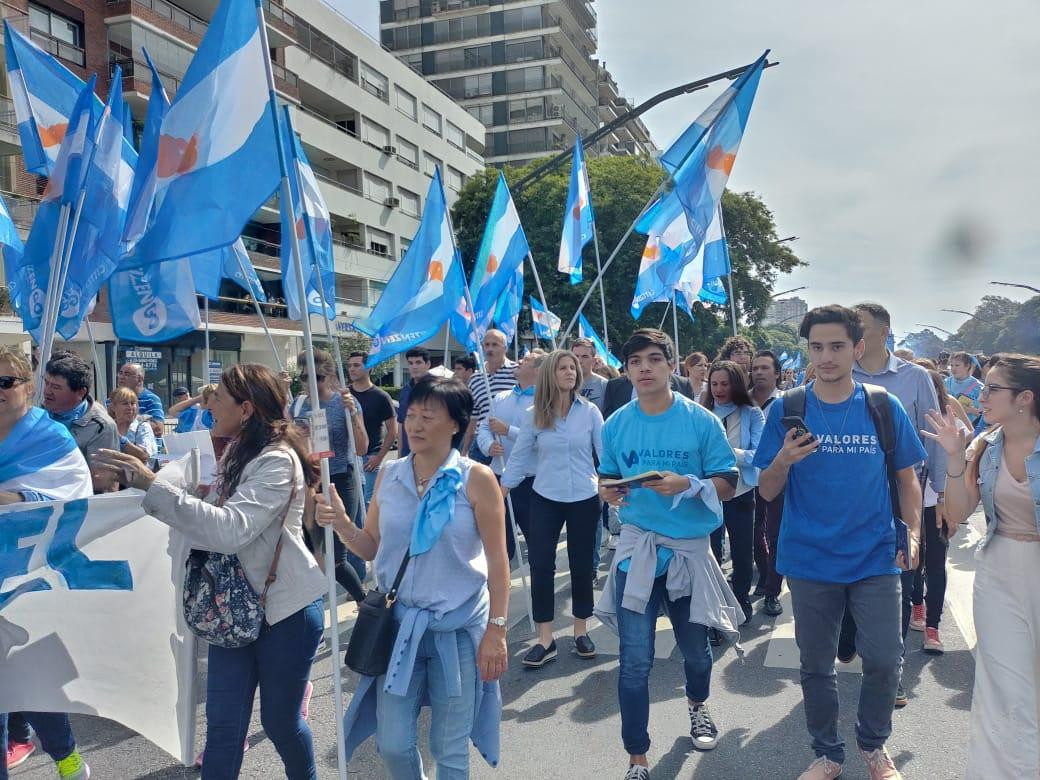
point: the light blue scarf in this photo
(437, 507)
(73, 414)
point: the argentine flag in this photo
(578, 219)
(502, 250)
(546, 324)
(586, 331)
(508, 309)
(427, 289)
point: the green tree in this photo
(924, 343)
(985, 332)
(620, 188)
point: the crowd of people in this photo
(846, 482)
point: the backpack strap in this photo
(880, 408)
(794, 402)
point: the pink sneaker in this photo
(917, 617)
(879, 765)
(932, 643)
(305, 708)
(821, 769)
(17, 752)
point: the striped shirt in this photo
(503, 379)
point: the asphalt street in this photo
(562, 721)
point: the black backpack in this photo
(880, 409)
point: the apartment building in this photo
(524, 68)
(786, 310)
(373, 129)
(631, 138)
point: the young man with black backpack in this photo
(825, 448)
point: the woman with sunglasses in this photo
(39, 461)
(340, 411)
(1001, 468)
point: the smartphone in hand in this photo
(903, 540)
(797, 424)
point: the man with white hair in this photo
(131, 375)
(501, 374)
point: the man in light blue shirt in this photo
(668, 519)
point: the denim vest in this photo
(989, 466)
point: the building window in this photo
(524, 141)
(62, 37)
(375, 290)
(376, 134)
(376, 189)
(379, 242)
(455, 179)
(375, 82)
(454, 136)
(408, 152)
(529, 110)
(525, 79)
(431, 120)
(405, 243)
(409, 202)
(413, 61)
(484, 113)
(406, 9)
(524, 51)
(319, 45)
(407, 104)
(409, 37)
(431, 163)
(465, 28)
(520, 19)
(461, 87)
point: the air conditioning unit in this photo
(392, 203)
(388, 149)
(554, 112)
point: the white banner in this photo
(90, 617)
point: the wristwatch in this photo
(499, 621)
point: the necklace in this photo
(845, 419)
(421, 483)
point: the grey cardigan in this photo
(248, 524)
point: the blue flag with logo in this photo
(586, 331)
(578, 218)
(154, 303)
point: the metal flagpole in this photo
(664, 316)
(46, 333)
(263, 320)
(541, 294)
(93, 348)
(330, 571)
(602, 294)
(359, 486)
(732, 302)
(447, 337)
(675, 331)
(205, 370)
(509, 501)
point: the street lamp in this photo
(785, 292)
(934, 327)
(1012, 284)
(960, 311)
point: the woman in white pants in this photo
(1002, 469)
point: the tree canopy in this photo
(620, 188)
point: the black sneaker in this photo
(702, 728)
(636, 772)
(759, 592)
(584, 647)
(772, 606)
(539, 655)
(745, 605)
(901, 698)
(847, 643)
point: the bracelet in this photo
(957, 476)
(357, 533)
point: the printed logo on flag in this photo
(150, 317)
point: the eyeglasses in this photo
(7, 382)
(987, 389)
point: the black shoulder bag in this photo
(375, 631)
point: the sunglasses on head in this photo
(7, 382)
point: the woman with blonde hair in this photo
(557, 441)
(135, 436)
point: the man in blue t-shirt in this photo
(663, 547)
(838, 538)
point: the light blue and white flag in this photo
(579, 221)
(507, 312)
(546, 324)
(217, 161)
(427, 289)
(155, 302)
(502, 250)
(12, 249)
(586, 331)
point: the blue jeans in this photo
(452, 718)
(280, 663)
(52, 730)
(370, 481)
(636, 631)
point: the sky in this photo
(897, 140)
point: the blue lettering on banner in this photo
(63, 556)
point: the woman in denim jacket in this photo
(1002, 469)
